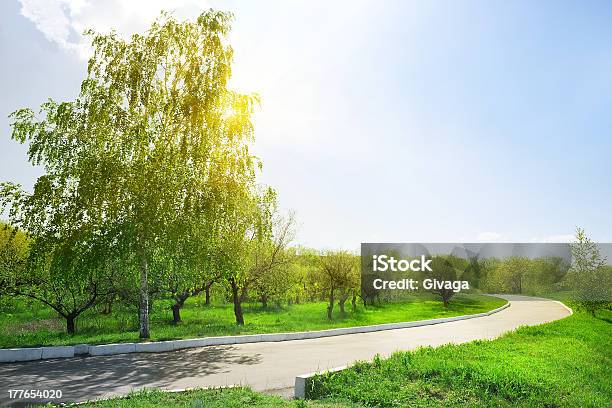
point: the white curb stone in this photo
(189, 343)
(81, 349)
(154, 347)
(274, 337)
(251, 338)
(109, 349)
(57, 352)
(20, 354)
(218, 341)
(294, 336)
(302, 380)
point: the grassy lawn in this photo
(29, 324)
(565, 363)
(216, 398)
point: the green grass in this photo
(26, 323)
(214, 398)
(567, 363)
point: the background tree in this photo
(339, 274)
(14, 250)
(185, 260)
(590, 277)
(63, 269)
(473, 272)
(270, 261)
(513, 272)
(443, 270)
(253, 248)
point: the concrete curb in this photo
(569, 309)
(29, 354)
(57, 352)
(20, 354)
(301, 381)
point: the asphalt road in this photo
(263, 366)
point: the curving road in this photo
(263, 366)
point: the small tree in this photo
(252, 243)
(473, 272)
(591, 278)
(63, 269)
(185, 260)
(14, 250)
(443, 270)
(339, 274)
(512, 274)
(270, 261)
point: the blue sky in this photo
(393, 121)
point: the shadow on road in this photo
(97, 376)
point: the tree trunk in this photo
(264, 301)
(144, 298)
(70, 324)
(330, 307)
(179, 301)
(354, 303)
(341, 305)
(176, 313)
(237, 303)
(108, 307)
(207, 295)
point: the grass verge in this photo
(29, 325)
(567, 363)
(205, 398)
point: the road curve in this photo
(263, 366)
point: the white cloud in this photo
(554, 238)
(63, 21)
(497, 237)
(488, 237)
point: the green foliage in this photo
(590, 277)
(473, 272)
(521, 275)
(338, 274)
(14, 252)
(445, 269)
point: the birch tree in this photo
(152, 139)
